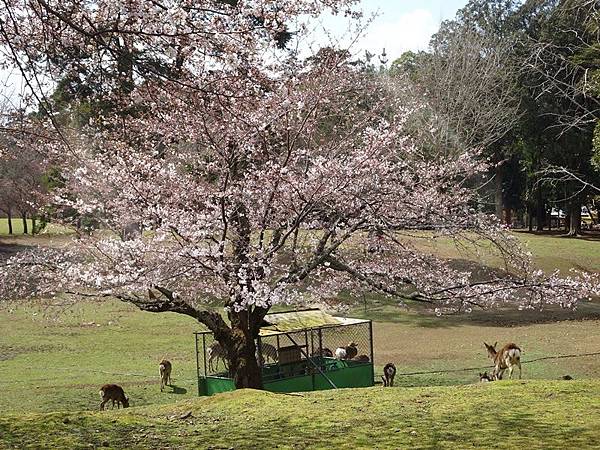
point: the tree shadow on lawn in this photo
(380, 309)
(510, 316)
(506, 427)
(10, 249)
(587, 235)
(178, 390)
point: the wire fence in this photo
(467, 369)
(148, 377)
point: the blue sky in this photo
(400, 25)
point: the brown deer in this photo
(389, 372)
(115, 393)
(351, 350)
(164, 369)
(508, 357)
(216, 353)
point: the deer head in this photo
(484, 377)
(491, 349)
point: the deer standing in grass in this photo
(115, 393)
(508, 357)
(164, 369)
(389, 372)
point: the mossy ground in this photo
(527, 414)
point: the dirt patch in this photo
(8, 352)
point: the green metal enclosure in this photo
(296, 353)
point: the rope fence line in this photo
(399, 374)
(146, 377)
(466, 369)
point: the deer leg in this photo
(498, 373)
(519, 369)
(102, 404)
(510, 371)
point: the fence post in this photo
(198, 361)
(371, 345)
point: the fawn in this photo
(115, 393)
(485, 378)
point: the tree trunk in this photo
(33, 230)
(243, 364)
(498, 194)
(540, 213)
(575, 219)
(10, 226)
(529, 218)
(241, 347)
(24, 217)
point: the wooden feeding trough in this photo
(296, 352)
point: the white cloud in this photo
(395, 32)
(409, 31)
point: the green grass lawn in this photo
(17, 224)
(53, 359)
(550, 251)
(508, 415)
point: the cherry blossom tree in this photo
(22, 188)
(258, 177)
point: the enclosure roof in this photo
(285, 322)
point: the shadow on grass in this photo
(587, 235)
(178, 390)
(10, 249)
(419, 316)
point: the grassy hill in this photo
(527, 414)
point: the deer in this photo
(265, 353)
(389, 372)
(215, 353)
(348, 352)
(485, 378)
(323, 352)
(508, 357)
(164, 369)
(115, 393)
(351, 350)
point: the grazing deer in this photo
(351, 350)
(340, 353)
(508, 357)
(348, 352)
(115, 393)
(267, 352)
(484, 377)
(164, 369)
(389, 372)
(215, 353)
(324, 352)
